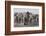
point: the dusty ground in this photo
(29, 25)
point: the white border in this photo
(26, 28)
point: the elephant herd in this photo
(26, 18)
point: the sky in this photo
(23, 10)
